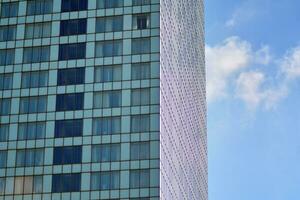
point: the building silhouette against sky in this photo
(102, 99)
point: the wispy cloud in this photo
(246, 11)
(235, 70)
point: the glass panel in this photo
(140, 2)
(28, 184)
(95, 181)
(38, 184)
(3, 156)
(4, 129)
(19, 182)
(2, 186)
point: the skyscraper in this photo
(102, 99)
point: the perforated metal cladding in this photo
(183, 140)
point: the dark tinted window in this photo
(66, 183)
(66, 102)
(9, 9)
(38, 7)
(70, 76)
(67, 155)
(73, 27)
(7, 33)
(68, 128)
(71, 51)
(73, 5)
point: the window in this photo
(30, 157)
(4, 130)
(141, 21)
(139, 178)
(38, 7)
(140, 97)
(140, 2)
(141, 46)
(4, 106)
(65, 102)
(107, 99)
(140, 150)
(34, 79)
(106, 153)
(7, 33)
(3, 157)
(7, 56)
(36, 54)
(140, 123)
(66, 183)
(109, 48)
(109, 24)
(106, 125)
(67, 155)
(72, 27)
(72, 51)
(35, 104)
(68, 128)
(140, 71)
(2, 186)
(71, 76)
(38, 30)
(109, 3)
(28, 184)
(108, 73)
(9, 9)
(73, 5)
(31, 131)
(105, 180)
(6, 81)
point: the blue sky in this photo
(253, 82)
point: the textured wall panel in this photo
(183, 103)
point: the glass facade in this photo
(79, 99)
(97, 100)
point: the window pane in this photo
(7, 33)
(71, 76)
(73, 5)
(66, 183)
(68, 128)
(109, 48)
(109, 3)
(140, 123)
(67, 155)
(38, 184)
(9, 9)
(3, 156)
(141, 21)
(73, 27)
(140, 2)
(109, 24)
(38, 7)
(141, 46)
(36, 54)
(6, 81)
(72, 101)
(4, 106)
(72, 51)
(2, 186)
(38, 30)
(4, 129)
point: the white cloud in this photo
(234, 63)
(222, 61)
(290, 64)
(252, 89)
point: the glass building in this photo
(102, 99)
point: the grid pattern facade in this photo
(183, 143)
(79, 99)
